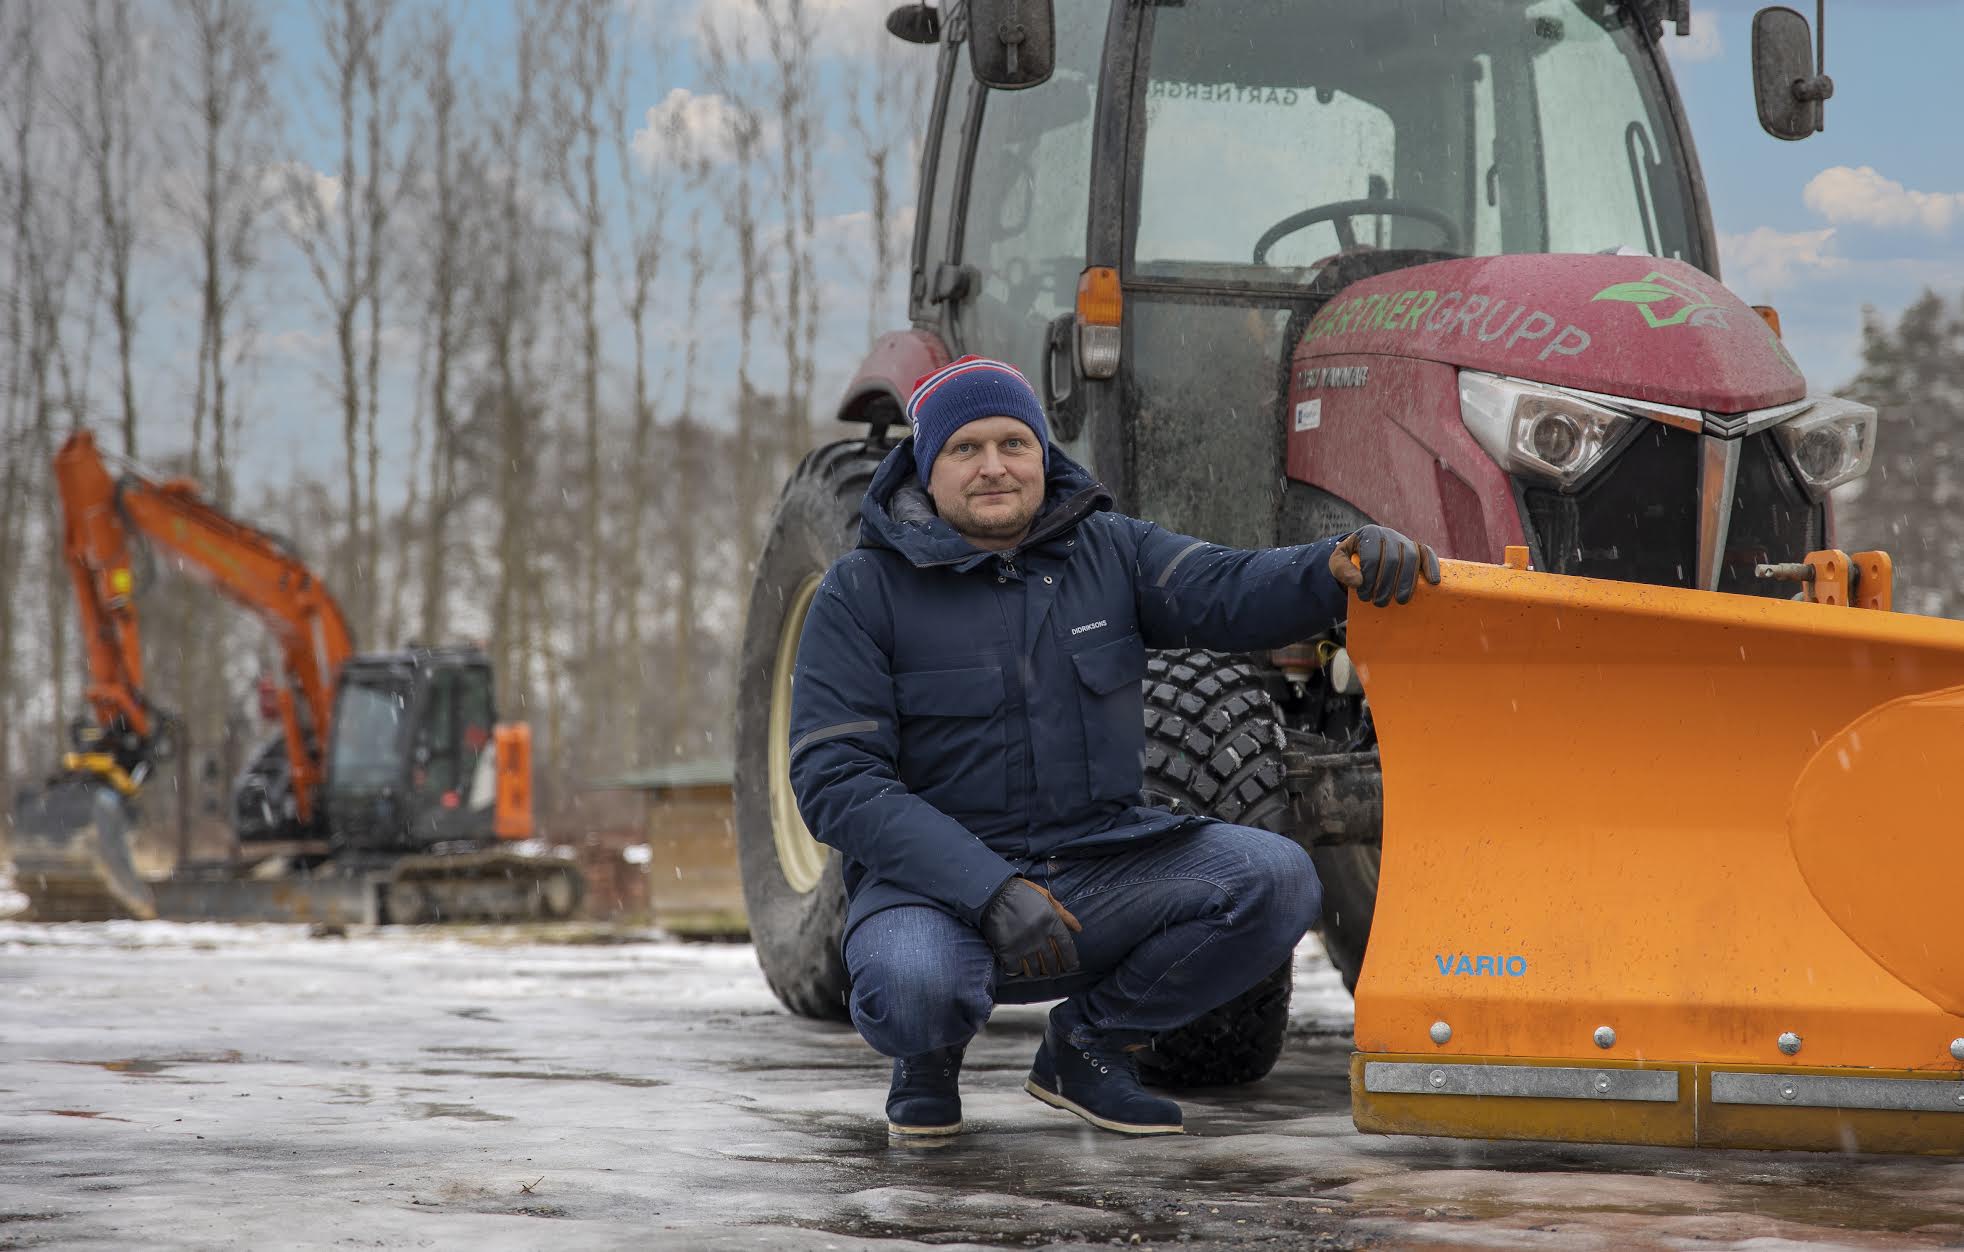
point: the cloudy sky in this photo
(1869, 212)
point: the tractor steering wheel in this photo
(1339, 213)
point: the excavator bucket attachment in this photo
(1663, 867)
(71, 853)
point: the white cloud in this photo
(1704, 43)
(1764, 259)
(304, 196)
(686, 124)
(1861, 196)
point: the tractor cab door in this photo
(1010, 184)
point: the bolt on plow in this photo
(1665, 866)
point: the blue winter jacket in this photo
(953, 708)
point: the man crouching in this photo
(967, 729)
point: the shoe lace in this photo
(1107, 1060)
(912, 1069)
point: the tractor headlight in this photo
(1537, 430)
(1829, 443)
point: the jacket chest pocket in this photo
(954, 743)
(1114, 715)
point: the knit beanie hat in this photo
(968, 390)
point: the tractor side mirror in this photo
(1012, 44)
(1790, 83)
(915, 23)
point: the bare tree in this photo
(449, 164)
(790, 36)
(20, 60)
(509, 311)
(729, 68)
(52, 240)
(228, 62)
(645, 200)
(575, 160)
(686, 465)
(114, 146)
(883, 113)
(382, 98)
(337, 226)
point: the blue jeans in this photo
(1171, 930)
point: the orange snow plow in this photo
(1666, 866)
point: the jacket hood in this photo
(897, 512)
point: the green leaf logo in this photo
(1655, 288)
(1637, 293)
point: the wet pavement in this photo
(250, 1087)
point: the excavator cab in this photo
(411, 763)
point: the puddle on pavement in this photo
(544, 1075)
(149, 1066)
(93, 1114)
(346, 1092)
(461, 1112)
(476, 1013)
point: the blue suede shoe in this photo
(1099, 1083)
(925, 1100)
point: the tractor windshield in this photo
(1281, 132)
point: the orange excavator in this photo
(390, 794)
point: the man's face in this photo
(987, 481)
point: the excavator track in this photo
(486, 886)
(70, 847)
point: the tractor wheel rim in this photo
(800, 857)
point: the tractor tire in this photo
(1213, 748)
(792, 888)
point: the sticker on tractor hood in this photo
(1490, 319)
(1334, 376)
(1309, 414)
(1466, 965)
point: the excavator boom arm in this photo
(101, 515)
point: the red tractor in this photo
(1285, 267)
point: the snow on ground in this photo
(217, 1086)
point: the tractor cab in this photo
(410, 760)
(1235, 165)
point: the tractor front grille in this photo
(1773, 519)
(1637, 520)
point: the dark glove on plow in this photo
(1387, 565)
(1030, 932)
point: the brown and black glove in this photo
(1387, 565)
(1030, 932)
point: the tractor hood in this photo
(1632, 326)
